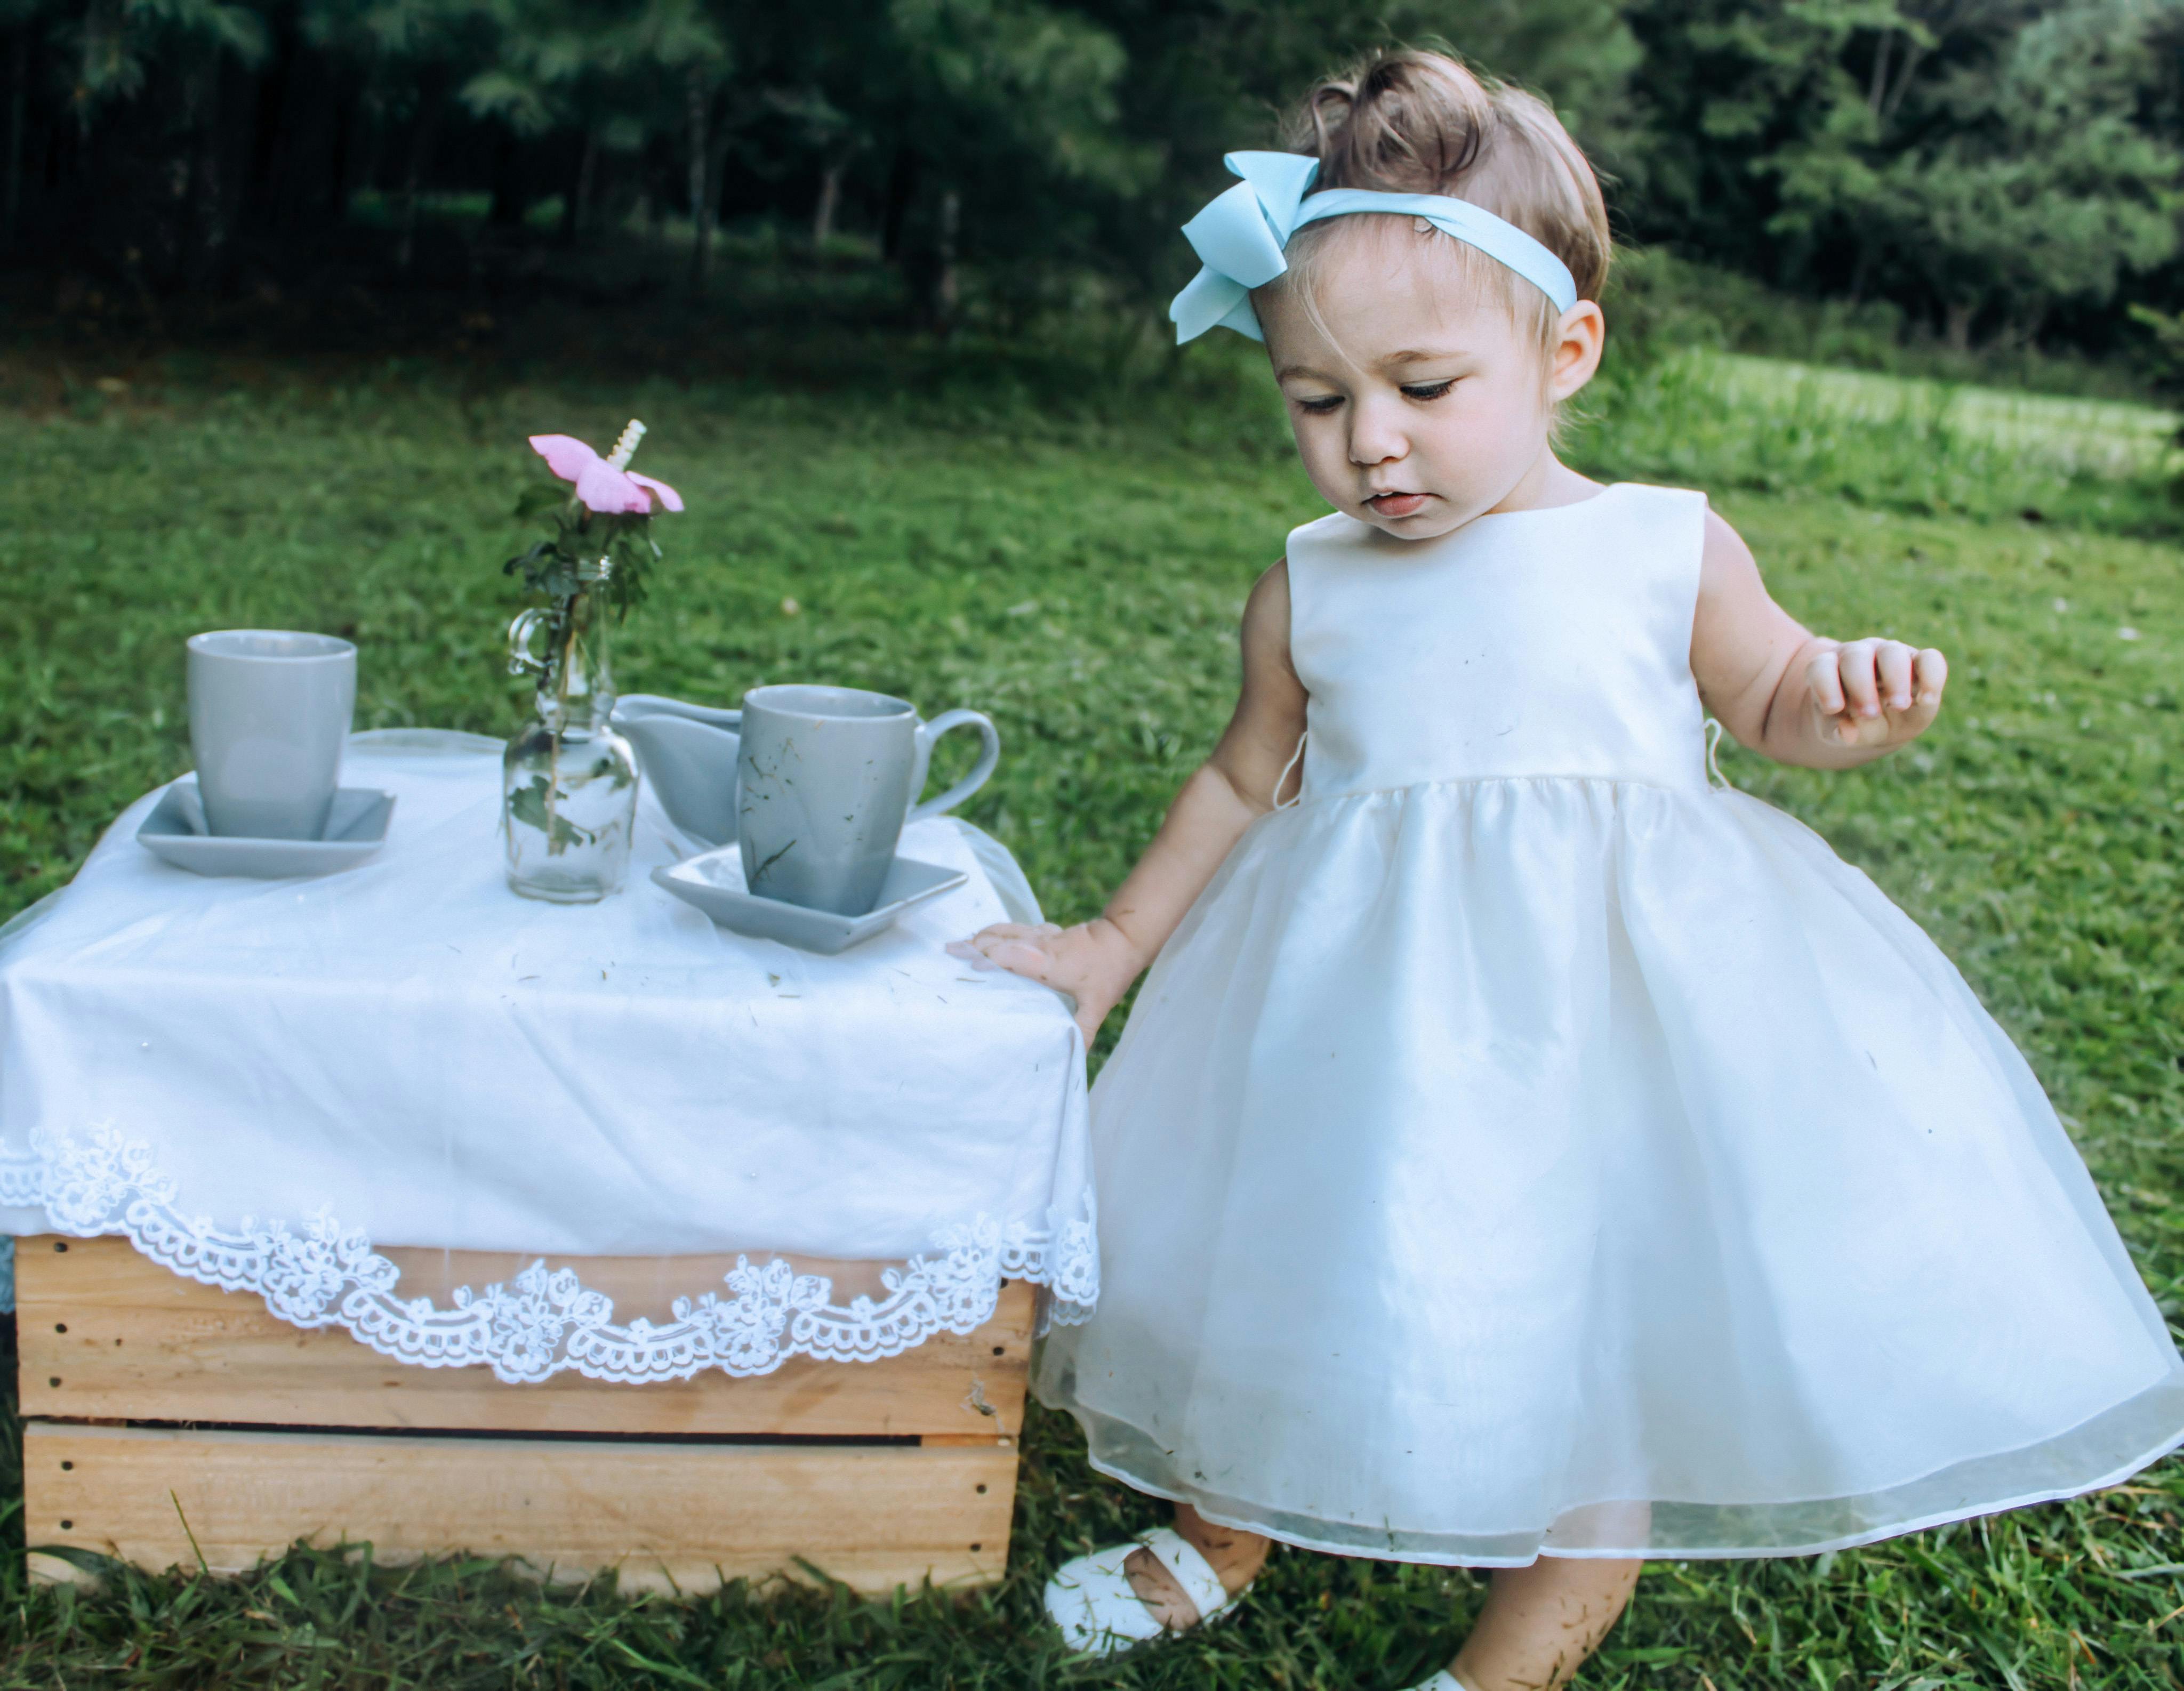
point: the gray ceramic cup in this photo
(825, 777)
(269, 710)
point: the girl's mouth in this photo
(1398, 504)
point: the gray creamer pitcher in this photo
(688, 752)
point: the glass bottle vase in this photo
(568, 780)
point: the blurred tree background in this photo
(1970, 174)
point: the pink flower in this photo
(600, 485)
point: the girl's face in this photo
(1417, 407)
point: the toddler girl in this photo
(1528, 1153)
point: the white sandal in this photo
(1099, 1611)
(1443, 1681)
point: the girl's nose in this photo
(1376, 437)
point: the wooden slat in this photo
(663, 1515)
(107, 1334)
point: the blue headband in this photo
(1240, 234)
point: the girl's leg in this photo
(1541, 1622)
(1538, 1625)
(1236, 1556)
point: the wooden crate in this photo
(157, 1411)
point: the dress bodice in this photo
(1549, 642)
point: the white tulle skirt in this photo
(1579, 1167)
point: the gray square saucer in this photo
(713, 882)
(356, 828)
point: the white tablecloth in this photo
(264, 1083)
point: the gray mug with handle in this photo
(825, 778)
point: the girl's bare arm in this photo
(1096, 961)
(1798, 697)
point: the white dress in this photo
(1524, 1145)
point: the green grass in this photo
(1075, 568)
(2108, 438)
(1724, 420)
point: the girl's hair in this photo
(1412, 122)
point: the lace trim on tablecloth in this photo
(547, 1321)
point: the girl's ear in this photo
(1579, 339)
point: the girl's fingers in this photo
(1015, 956)
(1824, 676)
(1001, 933)
(1930, 672)
(1016, 930)
(1893, 662)
(1860, 684)
(1874, 692)
(1020, 948)
(1020, 958)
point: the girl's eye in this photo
(1429, 390)
(1319, 405)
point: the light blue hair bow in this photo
(1241, 235)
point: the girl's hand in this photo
(1792, 694)
(1093, 962)
(1874, 694)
